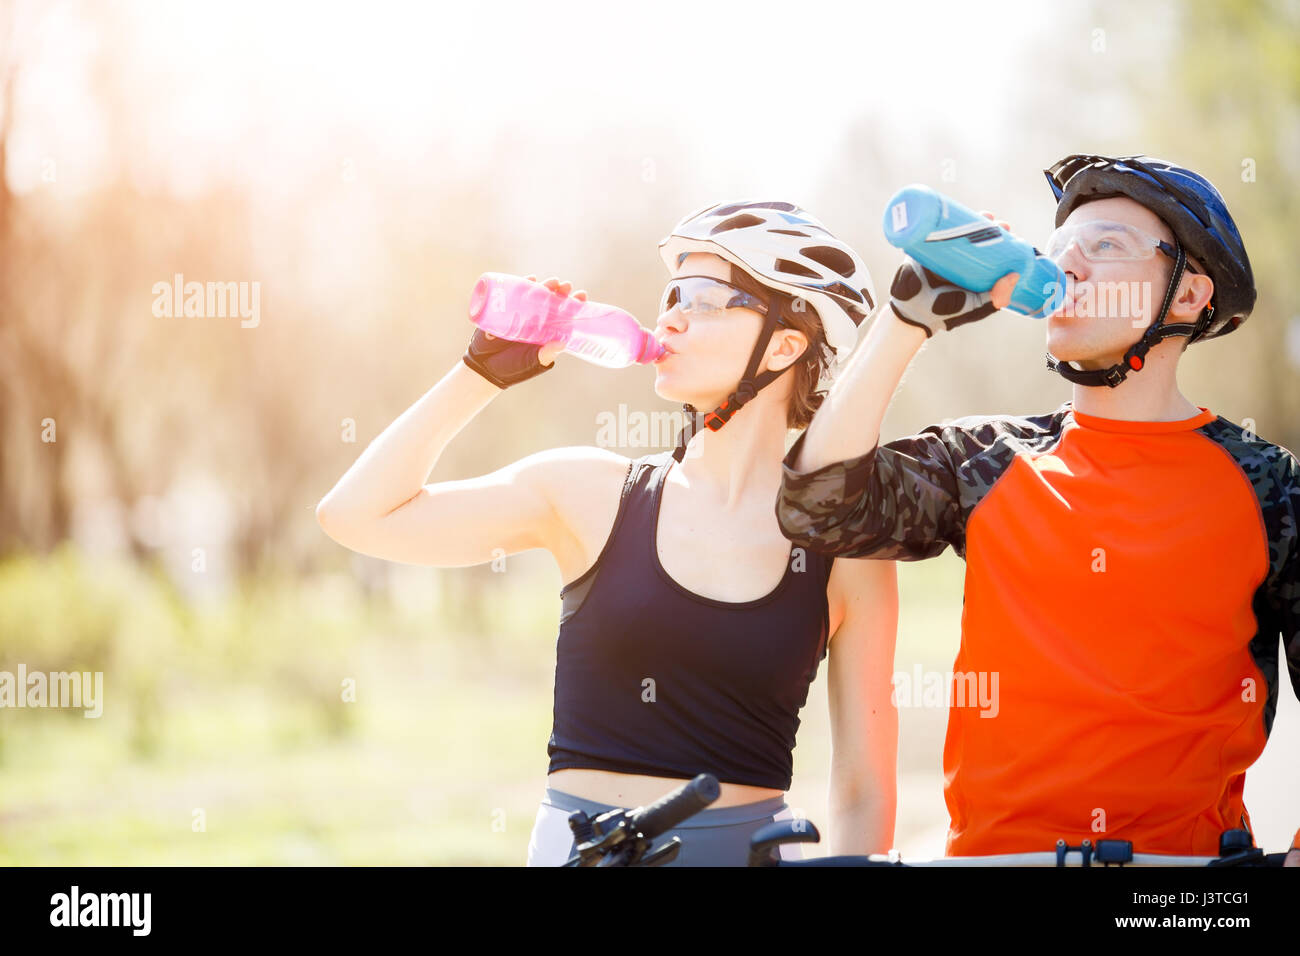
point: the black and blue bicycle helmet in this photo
(1198, 217)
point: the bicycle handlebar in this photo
(620, 837)
(668, 811)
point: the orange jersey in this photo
(1126, 585)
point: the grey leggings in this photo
(717, 837)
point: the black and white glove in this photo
(929, 301)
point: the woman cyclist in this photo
(690, 630)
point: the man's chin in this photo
(1085, 359)
(1061, 347)
(1067, 348)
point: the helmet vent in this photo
(791, 232)
(781, 206)
(837, 260)
(841, 289)
(736, 222)
(795, 269)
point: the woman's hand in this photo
(505, 363)
(546, 355)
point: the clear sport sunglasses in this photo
(1106, 240)
(705, 295)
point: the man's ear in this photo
(785, 348)
(1194, 294)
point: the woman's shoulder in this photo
(579, 467)
(581, 479)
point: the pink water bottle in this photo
(520, 310)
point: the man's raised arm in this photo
(841, 493)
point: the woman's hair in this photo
(813, 364)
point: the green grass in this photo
(235, 710)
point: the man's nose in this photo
(1073, 263)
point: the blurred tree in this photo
(8, 74)
(1237, 70)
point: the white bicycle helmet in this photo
(784, 248)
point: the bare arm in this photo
(864, 721)
(842, 492)
(848, 423)
(382, 507)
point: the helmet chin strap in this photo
(1135, 358)
(749, 386)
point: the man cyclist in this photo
(1131, 557)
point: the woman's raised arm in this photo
(382, 507)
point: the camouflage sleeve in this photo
(899, 501)
(1274, 475)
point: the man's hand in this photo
(930, 302)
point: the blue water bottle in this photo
(970, 250)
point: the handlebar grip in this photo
(665, 813)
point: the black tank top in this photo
(651, 678)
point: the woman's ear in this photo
(785, 348)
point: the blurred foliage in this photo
(64, 613)
(1238, 121)
(235, 707)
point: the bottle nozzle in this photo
(651, 348)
